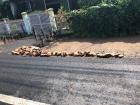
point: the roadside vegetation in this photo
(105, 18)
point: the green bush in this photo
(132, 16)
(87, 3)
(106, 20)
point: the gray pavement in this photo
(1, 103)
(71, 81)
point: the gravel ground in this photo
(129, 46)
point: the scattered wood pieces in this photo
(71, 54)
(27, 50)
(104, 55)
(36, 51)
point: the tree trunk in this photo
(13, 8)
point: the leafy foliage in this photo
(87, 3)
(107, 20)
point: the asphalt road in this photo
(71, 81)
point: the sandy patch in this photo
(1, 43)
(129, 46)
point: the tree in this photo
(1, 5)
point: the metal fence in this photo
(2, 28)
(42, 24)
(15, 25)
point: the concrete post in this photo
(52, 19)
(27, 22)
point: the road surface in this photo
(71, 81)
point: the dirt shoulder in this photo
(1, 43)
(12, 44)
(129, 46)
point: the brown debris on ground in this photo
(36, 51)
(27, 50)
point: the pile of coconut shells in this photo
(36, 51)
(27, 51)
